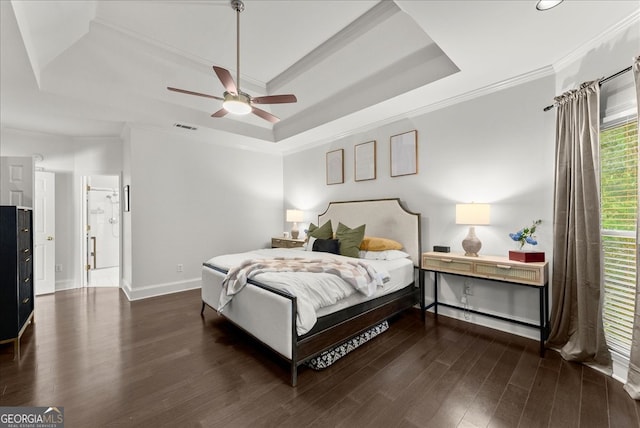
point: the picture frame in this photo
(335, 167)
(404, 153)
(125, 199)
(365, 161)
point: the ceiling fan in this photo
(234, 100)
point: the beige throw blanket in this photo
(360, 276)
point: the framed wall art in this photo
(335, 166)
(365, 161)
(404, 154)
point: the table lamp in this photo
(294, 216)
(473, 215)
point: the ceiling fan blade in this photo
(275, 99)
(226, 79)
(265, 115)
(184, 91)
(220, 113)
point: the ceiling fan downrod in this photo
(238, 6)
(234, 100)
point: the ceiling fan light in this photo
(236, 107)
(236, 104)
(547, 4)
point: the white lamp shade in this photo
(295, 216)
(473, 214)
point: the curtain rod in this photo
(606, 79)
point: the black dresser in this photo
(16, 273)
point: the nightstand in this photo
(286, 243)
(500, 269)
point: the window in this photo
(618, 205)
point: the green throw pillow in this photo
(350, 240)
(323, 232)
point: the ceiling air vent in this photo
(181, 125)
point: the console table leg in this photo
(543, 311)
(421, 276)
(435, 293)
(547, 311)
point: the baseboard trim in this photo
(505, 326)
(65, 284)
(102, 286)
(154, 290)
(620, 366)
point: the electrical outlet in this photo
(467, 290)
(58, 268)
(180, 267)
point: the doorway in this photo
(102, 230)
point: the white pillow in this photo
(309, 245)
(383, 255)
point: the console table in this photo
(493, 268)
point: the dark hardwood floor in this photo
(151, 363)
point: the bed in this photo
(270, 313)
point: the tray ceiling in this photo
(92, 66)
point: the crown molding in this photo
(480, 92)
(467, 96)
(173, 54)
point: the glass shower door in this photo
(103, 228)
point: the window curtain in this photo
(576, 317)
(633, 377)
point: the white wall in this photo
(69, 158)
(612, 52)
(498, 148)
(192, 200)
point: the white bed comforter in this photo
(313, 290)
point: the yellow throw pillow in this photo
(372, 243)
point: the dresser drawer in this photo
(25, 266)
(286, 243)
(509, 272)
(24, 219)
(24, 243)
(447, 264)
(25, 307)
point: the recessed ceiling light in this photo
(547, 4)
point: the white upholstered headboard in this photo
(384, 218)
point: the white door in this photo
(44, 233)
(16, 181)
